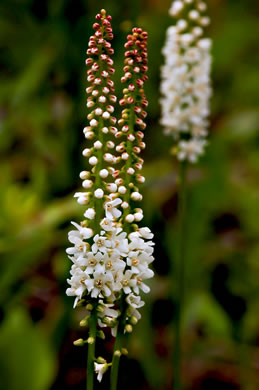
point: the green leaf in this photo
(26, 359)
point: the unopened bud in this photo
(101, 334)
(79, 343)
(101, 360)
(89, 307)
(84, 321)
(90, 340)
(133, 320)
(128, 328)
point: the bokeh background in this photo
(42, 113)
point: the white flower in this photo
(100, 243)
(107, 225)
(125, 280)
(185, 85)
(119, 242)
(111, 210)
(83, 231)
(82, 197)
(190, 150)
(147, 274)
(145, 232)
(176, 7)
(134, 301)
(100, 369)
(91, 262)
(100, 285)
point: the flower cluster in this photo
(110, 254)
(185, 85)
(132, 123)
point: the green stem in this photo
(91, 351)
(181, 277)
(117, 348)
(116, 362)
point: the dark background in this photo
(42, 113)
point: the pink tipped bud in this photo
(137, 149)
(110, 144)
(102, 99)
(109, 61)
(125, 156)
(104, 74)
(118, 181)
(116, 173)
(130, 100)
(140, 179)
(105, 90)
(95, 67)
(95, 50)
(144, 103)
(138, 166)
(120, 148)
(137, 109)
(113, 130)
(110, 108)
(113, 120)
(131, 137)
(140, 135)
(131, 87)
(89, 89)
(97, 81)
(130, 171)
(140, 83)
(113, 98)
(89, 61)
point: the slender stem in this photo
(116, 362)
(91, 351)
(117, 348)
(181, 259)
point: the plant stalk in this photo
(91, 351)
(181, 264)
(117, 348)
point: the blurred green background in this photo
(42, 113)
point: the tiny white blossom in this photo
(100, 369)
(134, 301)
(111, 210)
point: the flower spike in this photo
(185, 85)
(110, 255)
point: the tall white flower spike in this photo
(185, 85)
(111, 255)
